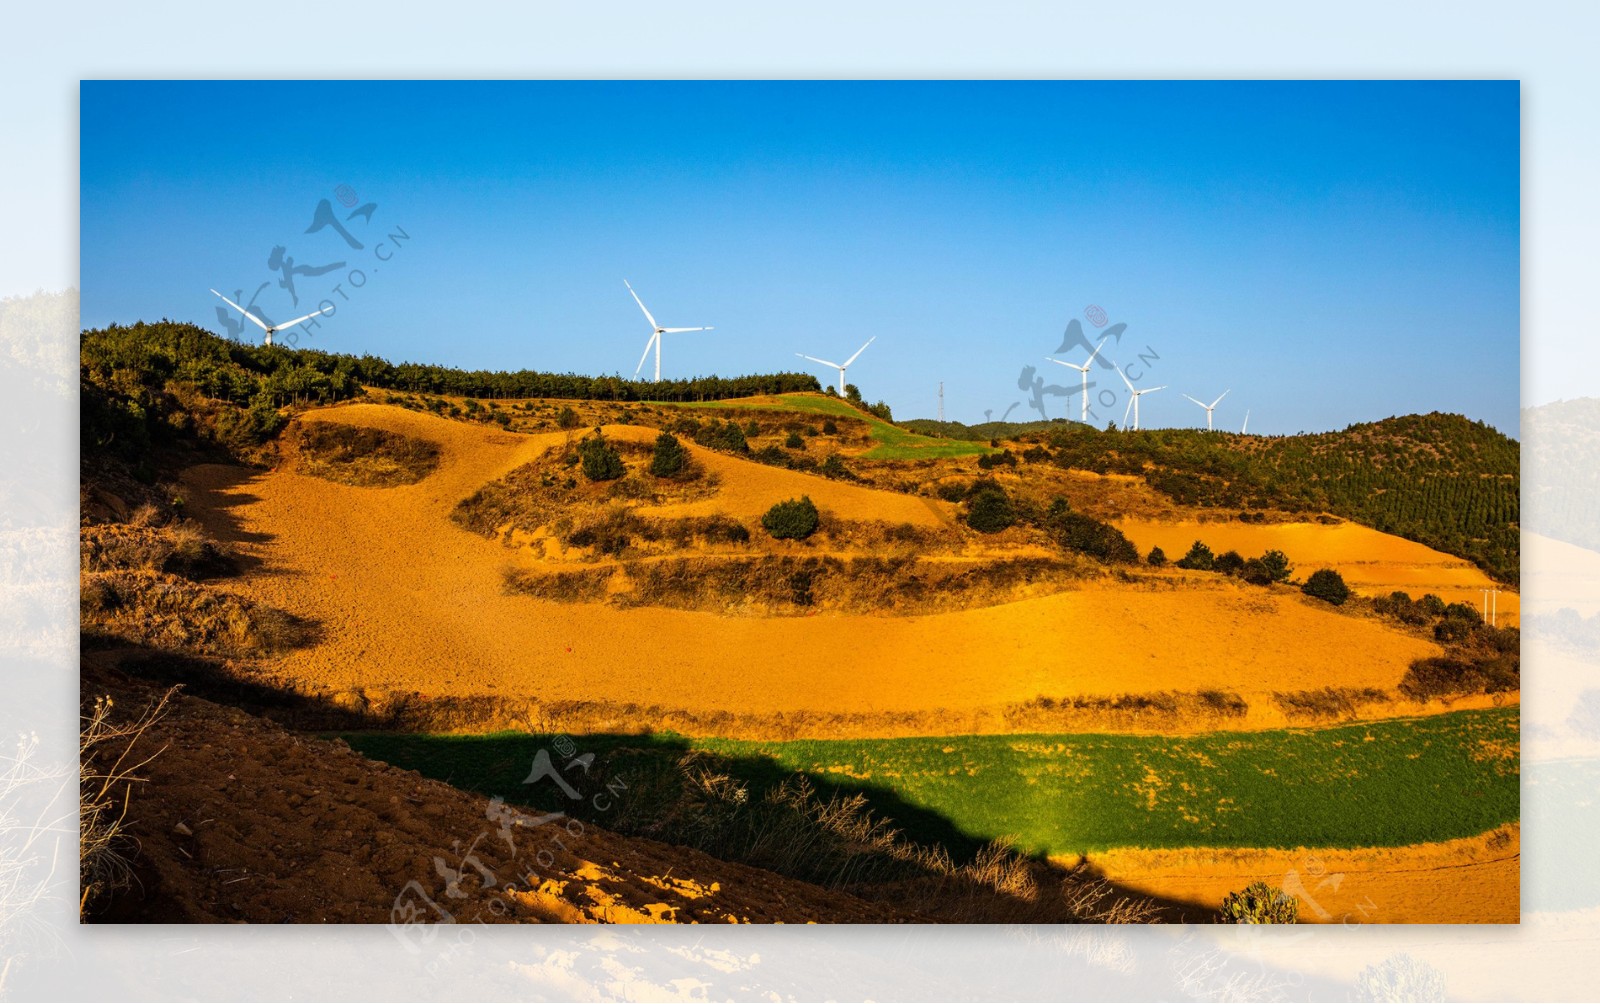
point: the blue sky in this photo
(1332, 252)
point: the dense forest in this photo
(146, 383)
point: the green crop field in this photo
(892, 442)
(1379, 784)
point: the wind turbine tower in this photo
(1212, 406)
(1133, 398)
(841, 367)
(1083, 371)
(656, 331)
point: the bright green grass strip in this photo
(893, 442)
(1383, 784)
(1411, 781)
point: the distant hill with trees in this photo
(1441, 480)
(146, 383)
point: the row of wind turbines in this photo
(656, 331)
(1135, 393)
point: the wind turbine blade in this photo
(1152, 390)
(862, 349)
(1123, 375)
(640, 302)
(259, 323)
(814, 359)
(1200, 403)
(1070, 366)
(297, 320)
(1221, 396)
(1127, 409)
(673, 331)
(1246, 424)
(1096, 352)
(647, 346)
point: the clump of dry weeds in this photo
(108, 769)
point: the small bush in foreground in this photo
(1327, 584)
(669, 457)
(600, 462)
(1199, 557)
(1156, 558)
(989, 510)
(795, 519)
(1259, 903)
(1277, 565)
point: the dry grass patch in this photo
(171, 613)
(364, 456)
(790, 585)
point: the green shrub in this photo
(725, 436)
(830, 427)
(1229, 563)
(953, 491)
(1259, 903)
(989, 510)
(1277, 566)
(600, 462)
(752, 429)
(567, 419)
(1085, 534)
(669, 457)
(1199, 557)
(794, 442)
(833, 467)
(795, 519)
(1157, 557)
(1327, 584)
(1256, 572)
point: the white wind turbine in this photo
(841, 367)
(1133, 398)
(656, 331)
(1084, 372)
(263, 325)
(1210, 407)
(1243, 428)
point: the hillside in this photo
(1442, 480)
(150, 384)
(444, 580)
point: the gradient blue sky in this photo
(1333, 252)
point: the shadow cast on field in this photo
(861, 838)
(215, 491)
(839, 833)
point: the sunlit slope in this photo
(405, 600)
(1372, 563)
